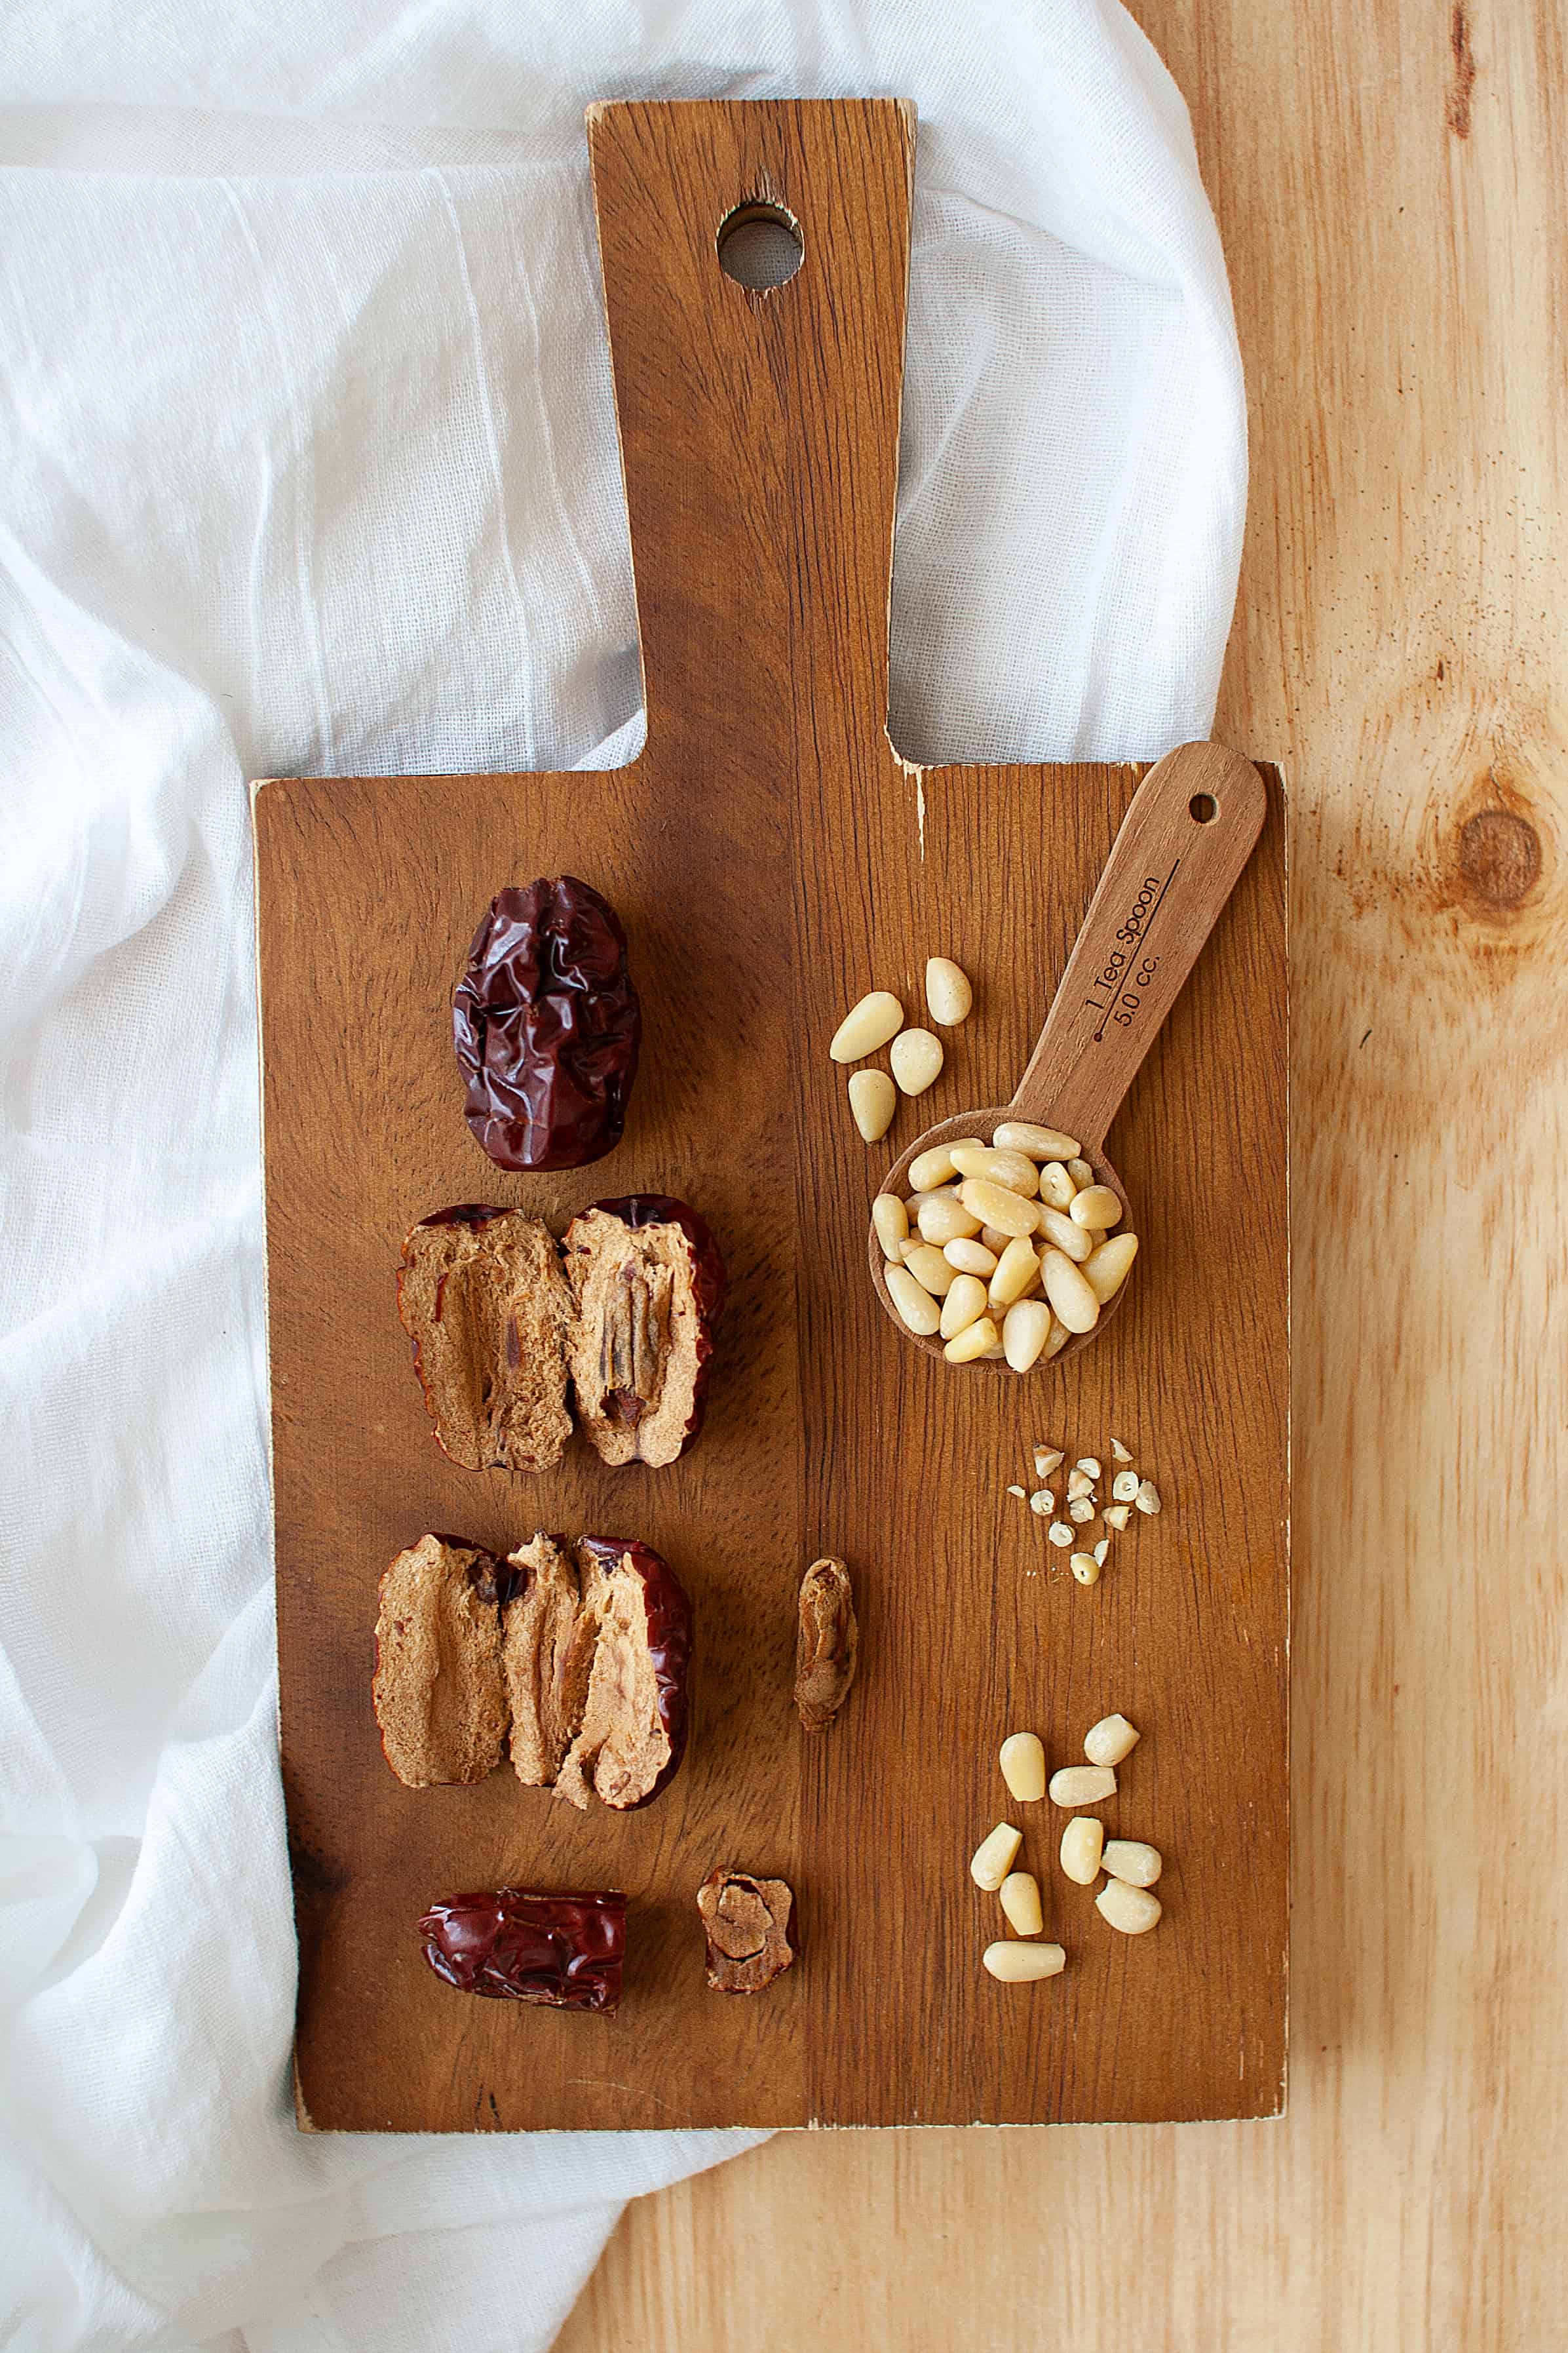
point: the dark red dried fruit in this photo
(647, 1284)
(514, 1943)
(547, 1027)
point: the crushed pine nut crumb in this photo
(1059, 1532)
(1118, 1451)
(1089, 1464)
(1147, 1499)
(1117, 1515)
(1046, 1460)
(1101, 1549)
(1014, 1491)
(1044, 1503)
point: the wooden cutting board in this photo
(772, 857)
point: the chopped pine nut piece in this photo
(1118, 1451)
(1059, 1532)
(1148, 1497)
(1117, 1515)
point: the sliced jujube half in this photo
(482, 1297)
(647, 1281)
(439, 1690)
(632, 1735)
(547, 1654)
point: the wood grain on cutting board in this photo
(772, 857)
(1389, 189)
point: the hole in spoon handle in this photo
(1188, 833)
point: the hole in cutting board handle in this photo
(760, 246)
(1203, 808)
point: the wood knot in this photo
(1500, 856)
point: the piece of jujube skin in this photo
(520, 1944)
(828, 1643)
(748, 1924)
(648, 1284)
(547, 1027)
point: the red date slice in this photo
(597, 1652)
(439, 1690)
(648, 1282)
(483, 1299)
(515, 1943)
(547, 1027)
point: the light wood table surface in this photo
(1391, 182)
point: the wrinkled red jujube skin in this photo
(669, 1617)
(547, 1027)
(709, 1281)
(514, 1943)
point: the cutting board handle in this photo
(759, 431)
(1187, 834)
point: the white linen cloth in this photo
(309, 465)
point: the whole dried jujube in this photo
(516, 1943)
(547, 1027)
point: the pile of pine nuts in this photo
(1126, 1902)
(987, 1230)
(916, 1056)
(1128, 1489)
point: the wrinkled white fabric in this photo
(309, 464)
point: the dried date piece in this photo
(439, 1690)
(597, 1653)
(515, 1943)
(547, 1027)
(747, 1925)
(547, 1654)
(828, 1643)
(482, 1297)
(647, 1281)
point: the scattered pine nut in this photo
(1133, 1910)
(1105, 1270)
(1089, 1464)
(916, 1056)
(1082, 1785)
(1020, 1893)
(1059, 1532)
(1014, 1491)
(916, 1307)
(934, 1165)
(1043, 1501)
(1101, 1549)
(1085, 1568)
(1017, 1964)
(1148, 1497)
(1046, 1460)
(1023, 1762)
(1124, 1486)
(1081, 1843)
(873, 1099)
(1081, 1511)
(994, 1856)
(1079, 1482)
(891, 1221)
(1117, 1515)
(1120, 1451)
(1039, 1143)
(949, 996)
(1131, 1859)
(866, 1026)
(1110, 1740)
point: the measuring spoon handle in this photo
(1188, 833)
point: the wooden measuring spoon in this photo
(1189, 831)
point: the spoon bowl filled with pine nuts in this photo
(1004, 1237)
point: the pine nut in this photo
(1025, 1328)
(1130, 1861)
(1044, 1503)
(931, 1268)
(1081, 1511)
(1117, 1515)
(1023, 1964)
(1016, 1490)
(872, 1103)
(1132, 1909)
(1101, 1549)
(1073, 1302)
(1060, 1337)
(916, 1056)
(969, 1257)
(965, 1301)
(1110, 1740)
(1020, 1893)
(1059, 1532)
(994, 1205)
(994, 1856)
(1017, 1271)
(1023, 1761)
(1039, 1143)
(1009, 1168)
(1056, 1187)
(995, 1240)
(891, 1221)
(1085, 1568)
(1120, 1451)
(917, 1308)
(948, 994)
(942, 1220)
(1046, 1460)
(1147, 1498)
(1081, 1843)
(1097, 1205)
(934, 1165)
(1075, 1241)
(1089, 1464)
(866, 1026)
(1105, 1269)
(1082, 1785)
(1079, 1482)
(974, 1340)
(1124, 1486)
(1081, 1172)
